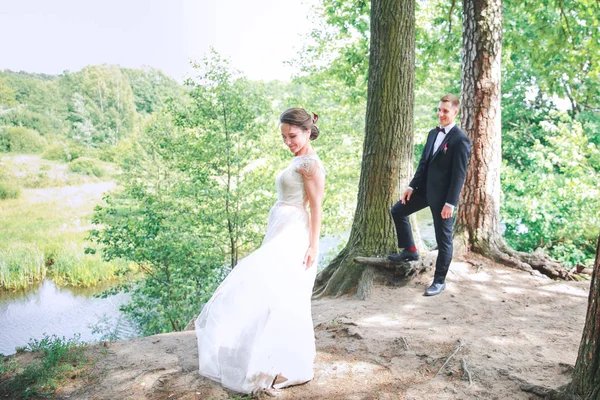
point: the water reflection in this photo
(59, 311)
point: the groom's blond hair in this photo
(452, 99)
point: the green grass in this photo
(21, 265)
(70, 266)
(59, 359)
(43, 232)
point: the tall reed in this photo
(21, 265)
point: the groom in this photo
(437, 184)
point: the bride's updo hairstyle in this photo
(300, 118)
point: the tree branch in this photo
(450, 16)
(562, 13)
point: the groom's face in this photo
(446, 113)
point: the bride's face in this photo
(294, 137)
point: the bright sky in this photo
(51, 36)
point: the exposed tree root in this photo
(562, 393)
(538, 261)
(388, 273)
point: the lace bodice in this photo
(290, 181)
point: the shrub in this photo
(116, 153)
(8, 191)
(21, 140)
(59, 359)
(86, 166)
(40, 180)
(63, 152)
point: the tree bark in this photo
(477, 223)
(586, 376)
(387, 150)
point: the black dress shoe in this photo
(435, 288)
(404, 255)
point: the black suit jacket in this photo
(440, 177)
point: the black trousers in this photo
(443, 230)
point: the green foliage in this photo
(9, 191)
(193, 191)
(7, 95)
(87, 166)
(23, 117)
(117, 153)
(101, 108)
(95, 107)
(553, 47)
(40, 104)
(21, 140)
(63, 151)
(61, 359)
(151, 87)
(551, 195)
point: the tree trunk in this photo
(586, 377)
(477, 225)
(388, 145)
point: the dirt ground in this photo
(505, 327)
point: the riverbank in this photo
(502, 327)
(44, 230)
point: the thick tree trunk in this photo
(477, 224)
(586, 377)
(479, 207)
(388, 145)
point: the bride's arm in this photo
(314, 184)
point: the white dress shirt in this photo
(441, 136)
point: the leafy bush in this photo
(21, 140)
(116, 153)
(63, 152)
(86, 166)
(8, 191)
(61, 359)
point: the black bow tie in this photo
(440, 130)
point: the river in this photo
(48, 309)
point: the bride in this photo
(256, 331)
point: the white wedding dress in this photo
(256, 331)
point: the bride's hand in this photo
(310, 257)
